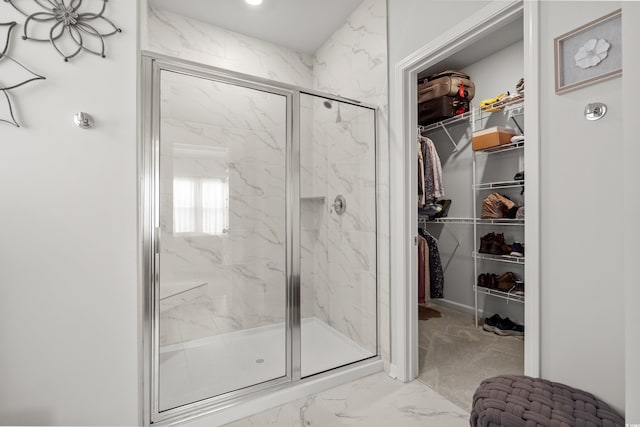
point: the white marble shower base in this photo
(215, 365)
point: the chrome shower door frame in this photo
(151, 219)
(151, 66)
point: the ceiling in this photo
(301, 25)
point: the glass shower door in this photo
(338, 272)
(221, 292)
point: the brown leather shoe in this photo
(505, 282)
(490, 281)
(498, 246)
(482, 280)
(486, 243)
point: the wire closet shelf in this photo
(511, 110)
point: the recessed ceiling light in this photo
(254, 2)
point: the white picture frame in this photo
(589, 54)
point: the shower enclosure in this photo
(259, 235)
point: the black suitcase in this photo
(441, 108)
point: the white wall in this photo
(413, 23)
(497, 73)
(582, 278)
(631, 203)
(68, 248)
(580, 163)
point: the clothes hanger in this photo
(424, 233)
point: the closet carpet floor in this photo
(455, 356)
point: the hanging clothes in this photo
(422, 248)
(430, 188)
(421, 194)
(438, 188)
(436, 272)
(424, 279)
(432, 171)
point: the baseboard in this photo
(458, 306)
(393, 371)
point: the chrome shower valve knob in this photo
(340, 204)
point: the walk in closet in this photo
(477, 221)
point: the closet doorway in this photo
(499, 32)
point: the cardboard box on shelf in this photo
(491, 137)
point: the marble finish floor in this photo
(373, 401)
(455, 356)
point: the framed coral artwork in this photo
(589, 54)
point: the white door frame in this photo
(404, 257)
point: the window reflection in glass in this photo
(200, 205)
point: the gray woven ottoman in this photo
(519, 401)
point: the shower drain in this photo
(259, 360)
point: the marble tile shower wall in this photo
(234, 278)
(185, 38)
(344, 246)
(175, 35)
(313, 213)
(353, 63)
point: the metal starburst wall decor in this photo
(68, 25)
(12, 74)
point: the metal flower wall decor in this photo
(68, 25)
(12, 74)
